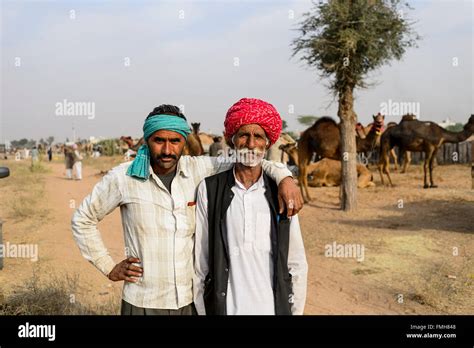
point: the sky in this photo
(99, 67)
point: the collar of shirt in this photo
(258, 184)
(182, 168)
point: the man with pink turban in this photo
(249, 258)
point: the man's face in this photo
(166, 148)
(250, 141)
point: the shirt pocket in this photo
(146, 216)
(262, 231)
(189, 223)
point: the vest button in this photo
(226, 270)
(222, 294)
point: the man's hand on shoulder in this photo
(289, 196)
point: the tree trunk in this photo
(349, 151)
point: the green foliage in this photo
(307, 120)
(23, 143)
(455, 128)
(345, 40)
(111, 147)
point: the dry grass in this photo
(55, 296)
(409, 248)
(104, 163)
(26, 185)
(39, 167)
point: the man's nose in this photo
(251, 142)
(167, 148)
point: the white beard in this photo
(249, 158)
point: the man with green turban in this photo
(156, 195)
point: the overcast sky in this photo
(126, 57)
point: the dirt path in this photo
(418, 247)
(63, 197)
(58, 253)
(408, 266)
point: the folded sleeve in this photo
(105, 197)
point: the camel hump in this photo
(409, 117)
(324, 119)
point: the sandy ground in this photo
(418, 244)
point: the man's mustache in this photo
(166, 156)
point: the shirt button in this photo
(227, 270)
(222, 294)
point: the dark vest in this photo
(220, 195)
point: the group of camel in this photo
(195, 142)
(324, 139)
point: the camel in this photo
(87, 148)
(419, 136)
(275, 152)
(132, 144)
(363, 131)
(193, 145)
(406, 155)
(324, 138)
(327, 172)
(206, 140)
(131, 148)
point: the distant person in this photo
(34, 155)
(77, 166)
(69, 157)
(216, 147)
(50, 154)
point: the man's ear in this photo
(269, 143)
(229, 142)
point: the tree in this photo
(346, 40)
(307, 120)
(50, 140)
(455, 128)
(284, 125)
(19, 143)
(30, 143)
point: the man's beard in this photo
(249, 158)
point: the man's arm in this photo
(105, 197)
(297, 266)
(289, 195)
(201, 246)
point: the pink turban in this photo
(253, 111)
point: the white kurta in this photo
(249, 289)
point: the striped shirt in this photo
(158, 227)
